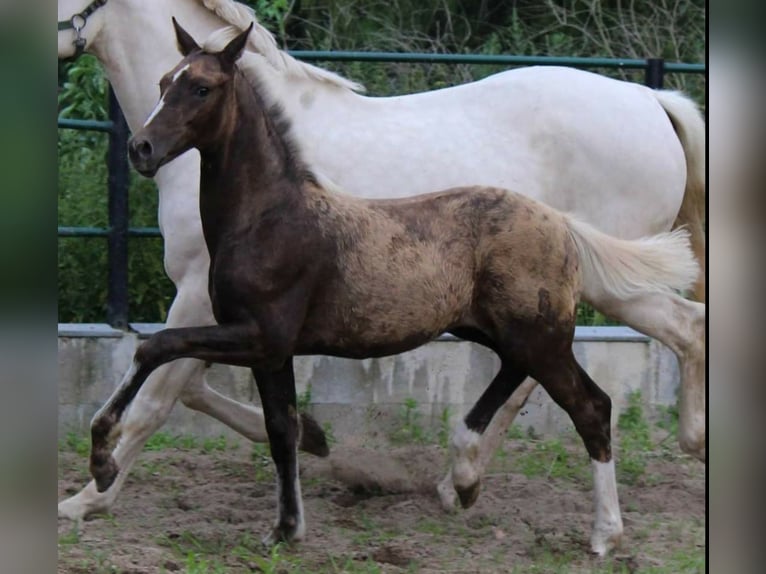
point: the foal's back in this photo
(409, 269)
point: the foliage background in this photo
(674, 30)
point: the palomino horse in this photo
(621, 156)
(297, 269)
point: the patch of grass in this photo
(263, 466)
(304, 399)
(550, 458)
(687, 560)
(668, 418)
(431, 526)
(164, 441)
(635, 441)
(216, 444)
(329, 434)
(445, 427)
(274, 562)
(514, 432)
(70, 537)
(351, 566)
(411, 429)
(196, 564)
(75, 442)
(371, 532)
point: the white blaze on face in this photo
(161, 103)
(156, 111)
(179, 72)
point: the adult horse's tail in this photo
(617, 269)
(690, 127)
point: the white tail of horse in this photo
(620, 268)
(689, 126)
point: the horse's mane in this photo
(248, 67)
(263, 42)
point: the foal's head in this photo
(195, 98)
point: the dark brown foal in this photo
(297, 269)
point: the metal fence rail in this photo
(118, 232)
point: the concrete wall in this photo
(366, 396)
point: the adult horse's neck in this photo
(249, 168)
(136, 46)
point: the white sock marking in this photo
(607, 527)
(465, 453)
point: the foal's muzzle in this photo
(141, 155)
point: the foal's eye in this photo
(202, 91)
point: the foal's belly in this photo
(379, 324)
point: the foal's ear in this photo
(233, 50)
(186, 44)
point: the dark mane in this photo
(297, 169)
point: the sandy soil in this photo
(376, 510)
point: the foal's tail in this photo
(618, 268)
(690, 128)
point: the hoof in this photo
(282, 534)
(603, 547)
(696, 447)
(468, 495)
(103, 471)
(70, 511)
(313, 439)
(447, 496)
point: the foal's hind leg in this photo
(467, 458)
(590, 409)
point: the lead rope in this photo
(77, 23)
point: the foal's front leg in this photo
(277, 390)
(229, 344)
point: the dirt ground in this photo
(200, 510)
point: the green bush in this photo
(83, 202)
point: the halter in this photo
(77, 23)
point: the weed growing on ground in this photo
(329, 435)
(165, 441)
(445, 427)
(551, 459)
(410, 430)
(262, 465)
(635, 441)
(214, 444)
(75, 442)
(514, 432)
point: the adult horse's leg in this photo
(277, 390)
(590, 409)
(679, 324)
(468, 458)
(149, 411)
